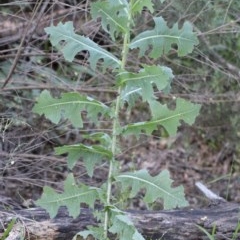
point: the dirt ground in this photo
(28, 162)
(27, 141)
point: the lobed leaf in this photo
(123, 226)
(161, 39)
(114, 16)
(138, 5)
(142, 83)
(130, 95)
(72, 197)
(69, 106)
(103, 138)
(91, 155)
(95, 232)
(73, 44)
(169, 119)
(156, 187)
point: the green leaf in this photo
(130, 95)
(169, 119)
(69, 106)
(96, 232)
(114, 16)
(210, 237)
(72, 197)
(124, 228)
(138, 5)
(9, 229)
(142, 83)
(103, 138)
(156, 187)
(90, 155)
(161, 38)
(74, 43)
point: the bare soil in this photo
(27, 141)
(28, 163)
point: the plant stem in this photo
(115, 126)
(111, 165)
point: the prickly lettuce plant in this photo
(117, 19)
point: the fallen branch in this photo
(181, 224)
(34, 223)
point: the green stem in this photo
(115, 126)
(111, 165)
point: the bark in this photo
(34, 223)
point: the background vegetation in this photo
(209, 151)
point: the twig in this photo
(22, 42)
(235, 71)
(208, 193)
